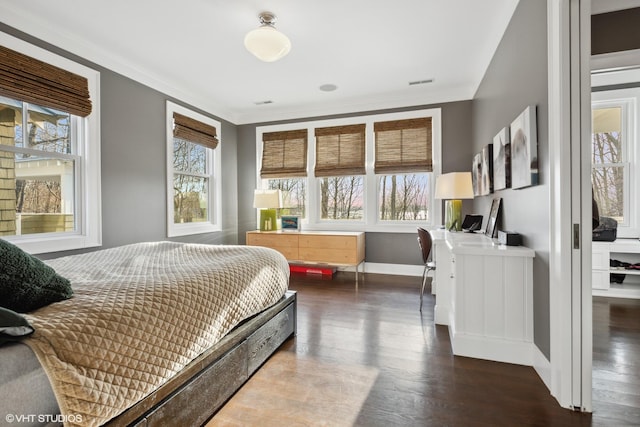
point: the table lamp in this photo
(267, 201)
(452, 187)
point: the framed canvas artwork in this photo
(486, 172)
(476, 170)
(501, 160)
(524, 149)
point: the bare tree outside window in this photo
(39, 189)
(404, 197)
(294, 194)
(190, 200)
(608, 163)
(341, 198)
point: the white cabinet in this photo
(623, 250)
(485, 296)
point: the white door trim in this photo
(570, 330)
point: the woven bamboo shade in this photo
(284, 154)
(194, 131)
(403, 146)
(31, 80)
(340, 150)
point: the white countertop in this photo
(478, 244)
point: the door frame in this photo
(568, 29)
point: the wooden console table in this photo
(316, 247)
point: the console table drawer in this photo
(328, 256)
(328, 242)
(280, 240)
(286, 244)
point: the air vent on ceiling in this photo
(420, 82)
(263, 102)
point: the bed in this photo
(158, 333)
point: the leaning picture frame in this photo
(492, 224)
(290, 223)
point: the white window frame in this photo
(214, 175)
(88, 208)
(370, 221)
(628, 100)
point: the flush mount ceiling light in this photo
(265, 42)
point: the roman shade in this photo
(31, 80)
(340, 150)
(284, 154)
(403, 146)
(194, 131)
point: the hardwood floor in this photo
(368, 357)
(616, 360)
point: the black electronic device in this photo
(471, 223)
(509, 238)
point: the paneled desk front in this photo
(484, 294)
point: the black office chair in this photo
(425, 242)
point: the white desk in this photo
(484, 294)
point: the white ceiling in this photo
(193, 49)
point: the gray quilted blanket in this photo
(140, 313)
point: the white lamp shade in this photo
(454, 185)
(267, 199)
(267, 43)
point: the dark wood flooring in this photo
(616, 360)
(366, 356)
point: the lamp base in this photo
(453, 215)
(268, 220)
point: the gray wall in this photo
(392, 248)
(517, 77)
(134, 161)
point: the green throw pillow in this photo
(26, 283)
(13, 326)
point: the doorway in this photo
(615, 147)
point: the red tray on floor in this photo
(313, 269)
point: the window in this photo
(193, 186)
(403, 146)
(404, 197)
(294, 195)
(49, 150)
(340, 168)
(615, 157)
(372, 173)
(284, 167)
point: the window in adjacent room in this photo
(615, 157)
(49, 150)
(193, 186)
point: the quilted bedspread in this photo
(140, 313)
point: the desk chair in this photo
(425, 243)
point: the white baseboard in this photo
(489, 348)
(542, 366)
(394, 269)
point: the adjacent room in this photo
(319, 213)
